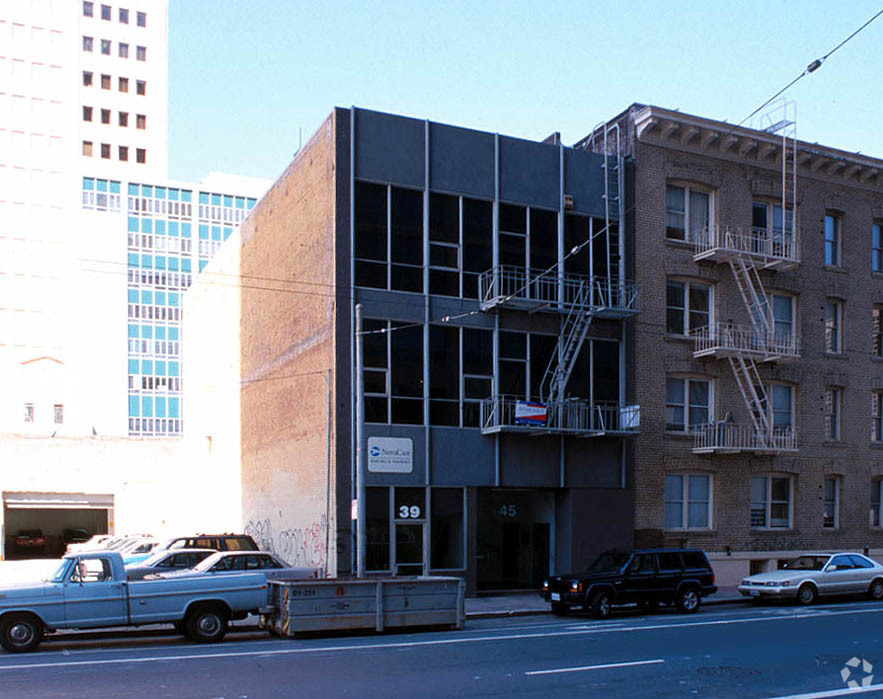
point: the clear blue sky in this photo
(245, 75)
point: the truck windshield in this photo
(608, 562)
(58, 575)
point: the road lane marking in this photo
(585, 668)
(835, 692)
(434, 642)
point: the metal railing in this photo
(575, 416)
(531, 288)
(744, 339)
(726, 436)
(770, 246)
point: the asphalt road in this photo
(738, 651)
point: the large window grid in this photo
(460, 366)
(393, 372)
(101, 195)
(224, 208)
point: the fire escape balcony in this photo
(775, 250)
(723, 340)
(575, 417)
(729, 438)
(547, 290)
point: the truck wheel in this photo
(601, 604)
(688, 600)
(559, 609)
(207, 624)
(20, 632)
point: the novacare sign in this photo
(390, 455)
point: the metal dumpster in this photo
(372, 603)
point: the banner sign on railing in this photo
(527, 413)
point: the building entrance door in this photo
(409, 549)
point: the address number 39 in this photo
(412, 512)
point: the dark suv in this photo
(647, 577)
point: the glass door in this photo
(409, 549)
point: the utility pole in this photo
(360, 448)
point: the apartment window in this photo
(124, 153)
(105, 12)
(832, 240)
(782, 406)
(687, 307)
(783, 320)
(123, 118)
(105, 116)
(105, 82)
(140, 155)
(875, 520)
(876, 248)
(773, 233)
(688, 501)
(124, 84)
(87, 43)
(58, 413)
(393, 372)
(877, 330)
(105, 47)
(140, 121)
(141, 53)
(141, 87)
(831, 516)
(771, 499)
(87, 78)
(141, 18)
(833, 401)
(687, 404)
(88, 9)
(687, 212)
(87, 113)
(833, 326)
(105, 150)
(29, 412)
(124, 16)
(877, 416)
(123, 50)
(87, 148)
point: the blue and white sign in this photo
(390, 455)
(527, 413)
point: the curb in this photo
(503, 613)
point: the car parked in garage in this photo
(647, 577)
(30, 541)
(811, 575)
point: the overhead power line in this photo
(812, 67)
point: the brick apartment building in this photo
(495, 450)
(758, 362)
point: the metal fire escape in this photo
(578, 300)
(747, 251)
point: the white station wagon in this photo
(813, 574)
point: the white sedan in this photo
(808, 576)
(224, 562)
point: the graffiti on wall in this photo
(299, 546)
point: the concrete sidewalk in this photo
(529, 603)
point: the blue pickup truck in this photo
(90, 590)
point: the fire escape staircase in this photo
(761, 435)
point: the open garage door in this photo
(57, 517)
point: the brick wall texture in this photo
(737, 180)
(287, 318)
